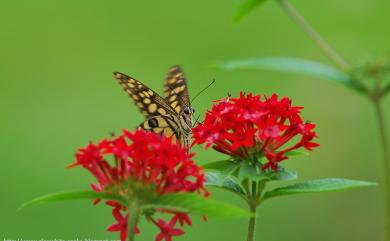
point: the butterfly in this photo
(170, 115)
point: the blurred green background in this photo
(58, 92)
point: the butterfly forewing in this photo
(149, 102)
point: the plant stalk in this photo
(252, 222)
(300, 21)
(385, 90)
(386, 161)
(133, 220)
(253, 202)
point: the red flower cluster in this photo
(142, 165)
(250, 128)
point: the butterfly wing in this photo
(176, 95)
(149, 102)
(166, 125)
(160, 117)
(175, 89)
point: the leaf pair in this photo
(224, 175)
(181, 202)
(232, 184)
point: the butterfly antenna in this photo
(197, 120)
(204, 89)
(197, 95)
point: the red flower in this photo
(121, 223)
(168, 230)
(183, 218)
(142, 165)
(250, 127)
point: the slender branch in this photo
(298, 19)
(386, 161)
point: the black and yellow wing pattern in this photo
(175, 89)
(170, 116)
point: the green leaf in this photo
(320, 185)
(295, 65)
(220, 165)
(296, 153)
(73, 195)
(228, 183)
(282, 175)
(246, 7)
(285, 175)
(249, 171)
(225, 168)
(279, 175)
(193, 203)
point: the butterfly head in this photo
(189, 111)
(187, 114)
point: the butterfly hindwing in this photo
(163, 124)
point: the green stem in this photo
(299, 20)
(253, 202)
(133, 220)
(385, 90)
(252, 222)
(254, 190)
(386, 162)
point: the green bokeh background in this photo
(58, 92)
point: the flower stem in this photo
(385, 90)
(252, 222)
(386, 162)
(253, 203)
(299, 20)
(133, 219)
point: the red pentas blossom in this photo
(143, 165)
(255, 126)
